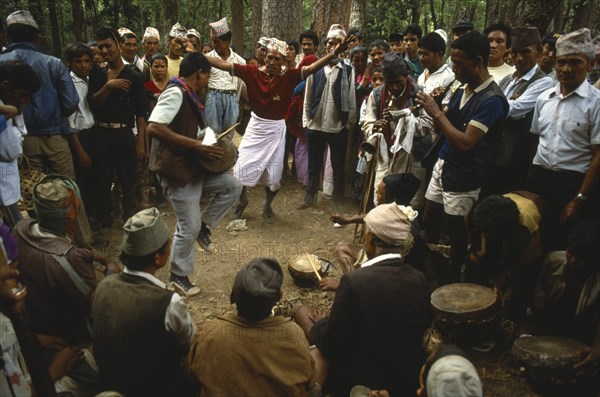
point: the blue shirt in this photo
(415, 66)
(46, 114)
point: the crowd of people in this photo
(491, 147)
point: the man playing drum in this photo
(175, 123)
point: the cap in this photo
(577, 42)
(219, 28)
(463, 25)
(145, 233)
(261, 278)
(21, 17)
(524, 36)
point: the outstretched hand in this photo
(343, 45)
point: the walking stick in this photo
(368, 189)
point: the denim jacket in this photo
(57, 98)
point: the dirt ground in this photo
(295, 232)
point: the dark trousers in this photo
(87, 178)
(115, 151)
(557, 188)
(317, 142)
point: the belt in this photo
(223, 91)
(110, 125)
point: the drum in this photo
(548, 360)
(302, 272)
(224, 163)
(466, 313)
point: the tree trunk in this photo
(282, 19)
(170, 13)
(56, 44)
(328, 12)
(78, 21)
(433, 16)
(557, 23)
(416, 11)
(582, 14)
(256, 9)
(357, 15)
(237, 25)
(537, 13)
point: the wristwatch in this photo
(581, 197)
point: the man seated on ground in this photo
(59, 276)
(141, 330)
(268, 355)
(506, 248)
(374, 332)
(567, 299)
(393, 188)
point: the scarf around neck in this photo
(192, 98)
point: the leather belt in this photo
(110, 125)
(223, 91)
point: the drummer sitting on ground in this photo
(384, 306)
(398, 188)
(567, 298)
(506, 248)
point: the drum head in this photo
(302, 265)
(461, 298)
(548, 351)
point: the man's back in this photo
(134, 350)
(378, 317)
(57, 98)
(269, 358)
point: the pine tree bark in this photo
(170, 13)
(282, 19)
(328, 12)
(538, 13)
(357, 14)
(237, 25)
(256, 9)
(583, 12)
(56, 43)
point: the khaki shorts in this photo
(455, 203)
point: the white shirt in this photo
(137, 62)
(518, 108)
(11, 148)
(83, 118)
(177, 319)
(222, 80)
(567, 126)
(328, 117)
(440, 78)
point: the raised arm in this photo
(218, 63)
(339, 48)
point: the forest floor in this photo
(295, 232)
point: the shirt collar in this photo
(583, 90)
(77, 79)
(527, 75)
(145, 275)
(481, 87)
(380, 258)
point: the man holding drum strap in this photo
(175, 123)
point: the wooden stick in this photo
(308, 256)
(224, 133)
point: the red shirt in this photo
(269, 98)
